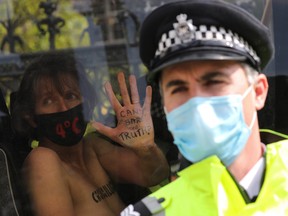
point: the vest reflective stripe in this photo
(207, 188)
(154, 206)
(129, 211)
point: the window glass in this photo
(103, 36)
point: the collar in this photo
(252, 181)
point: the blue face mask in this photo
(206, 126)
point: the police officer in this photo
(207, 56)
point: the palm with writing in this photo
(135, 127)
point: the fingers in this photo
(107, 131)
(124, 91)
(148, 98)
(123, 88)
(134, 90)
(112, 98)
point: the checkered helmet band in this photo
(202, 33)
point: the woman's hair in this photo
(53, 67)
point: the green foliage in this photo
(26, 13)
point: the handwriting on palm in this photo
(135, 125)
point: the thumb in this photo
(101, 128)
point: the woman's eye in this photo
(47, 101)
(71, 96)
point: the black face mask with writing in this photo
(63, 128)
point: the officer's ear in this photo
(261, 90)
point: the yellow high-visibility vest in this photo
(207, 189)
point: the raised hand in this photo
(134, 128)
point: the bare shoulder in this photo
(41, 160)
(43, 170)
(41, 155)
(47, 182)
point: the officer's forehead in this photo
(207, 66)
